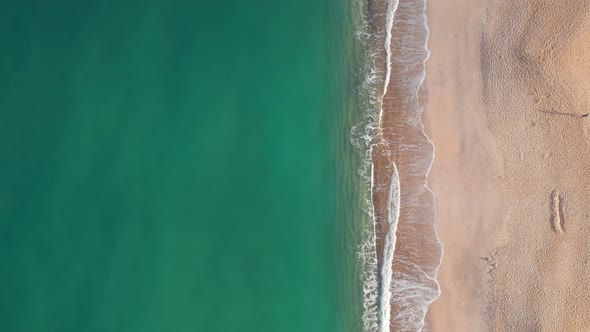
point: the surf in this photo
(393, 206)
(398, 287)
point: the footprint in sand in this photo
(556, 205)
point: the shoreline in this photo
(400, 141)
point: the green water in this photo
(177, 166)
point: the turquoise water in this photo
(177, 166)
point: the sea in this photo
(194, 166)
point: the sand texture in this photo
(507, 81)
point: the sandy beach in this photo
(507, 82)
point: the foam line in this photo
(392, 6)
(393, 205)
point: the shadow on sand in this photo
(567, 114)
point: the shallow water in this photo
(400, 286)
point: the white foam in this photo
(393, 205)
(392, 6)
(380, 286)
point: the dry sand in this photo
(505, 81)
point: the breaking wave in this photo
(398, 273)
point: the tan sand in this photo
(506, 80)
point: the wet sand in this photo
(506, 82)
(401, 140)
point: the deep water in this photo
(178, 166)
